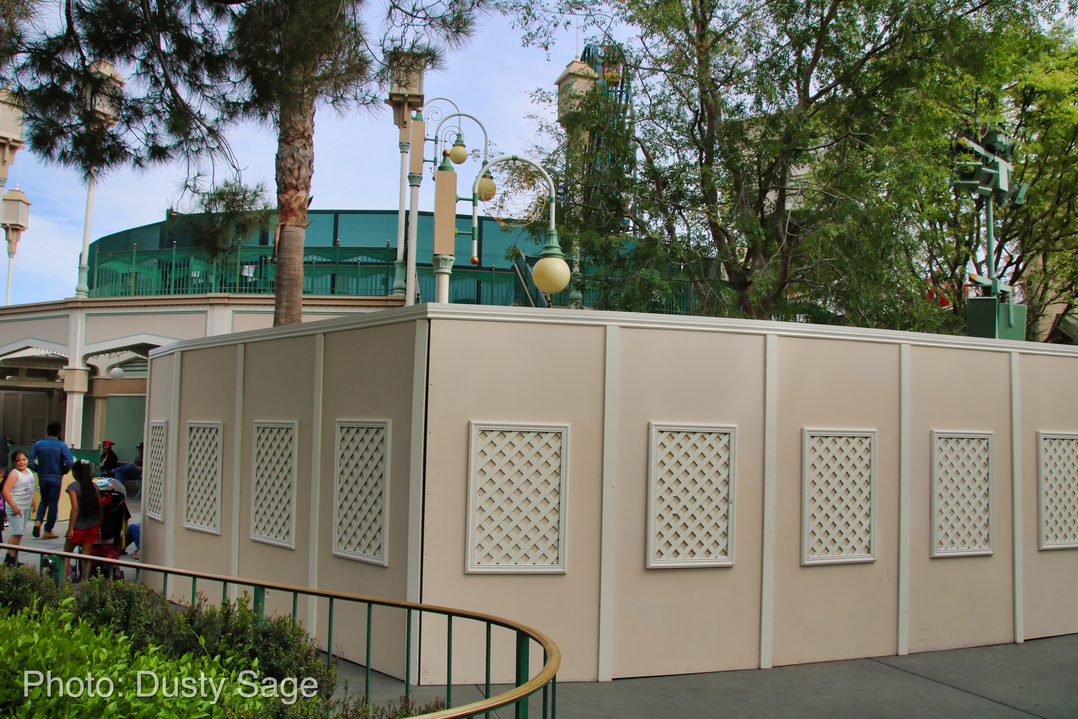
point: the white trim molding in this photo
(843, 459)
(1057, 524)
(692, 475)
(280, 483)
(205, 501)
(963, 483)
(366, 463)
(532, 459)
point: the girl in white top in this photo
(20, 498)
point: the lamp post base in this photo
(82, 289)
(443, 269)
(399, 285)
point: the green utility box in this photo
(988, 317)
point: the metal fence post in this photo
(260, 602)
(523, 647)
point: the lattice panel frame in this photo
(692, 472)
(962, 493)
(361, 490)
(202, 501)
(1057, 490)
(273, 482)
(518, 482)
(838, 462)
(153, 478)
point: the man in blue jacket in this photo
(51, 459)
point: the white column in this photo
(82, 289)
(413, 226)
(316, 480)
(443, 268)
(76, 382)
(400, 286)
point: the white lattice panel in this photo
(361, 497)
(838, 496)
(691, 496)
(517, 497)
(961, 493)
(153, 478)
(273, 492)
(1058, 475)
(202, 507)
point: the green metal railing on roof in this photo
(344, 271)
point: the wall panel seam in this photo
(767, 579)
(607, 546)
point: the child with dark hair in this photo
(84, 525)
(18, 491)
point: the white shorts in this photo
(18, 522)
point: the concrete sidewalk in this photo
(1036, 679)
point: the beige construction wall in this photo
(605, 384)
(282, 381)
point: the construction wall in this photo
(659, 495)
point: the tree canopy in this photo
(193, 69)
(791, 160)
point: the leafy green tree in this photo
(197, 67)
(780, 150)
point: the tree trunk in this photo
(295, 165)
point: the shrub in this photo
(277, 647)
(51, 639)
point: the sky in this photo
(356, 164)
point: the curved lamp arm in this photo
(552, 250)
(486, 138)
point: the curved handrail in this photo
(553, 654)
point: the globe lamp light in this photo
(459, 153)
(486, 187)
(551, 273)
(116, 373)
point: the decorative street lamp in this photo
(10, 133)
(551, 273)
(445, 206)
(995, 315)
(103, 111)
(405, 96)
(14, 218)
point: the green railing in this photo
(524, 685)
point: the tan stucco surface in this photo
(104, 326)
(1049, 387)
(959, 601)
(51, 329)
(501, 371)
(699, 619)
(835, 611)
(207, 393)
(368, 376)
(550, 367)
(158, 409)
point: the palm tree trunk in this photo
(295, 165)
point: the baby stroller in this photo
(114, 517)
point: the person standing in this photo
(84, 525)
(51, 459)
(19, 496)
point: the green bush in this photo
(277, 647)
(52, 640)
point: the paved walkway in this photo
(1012, 681)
